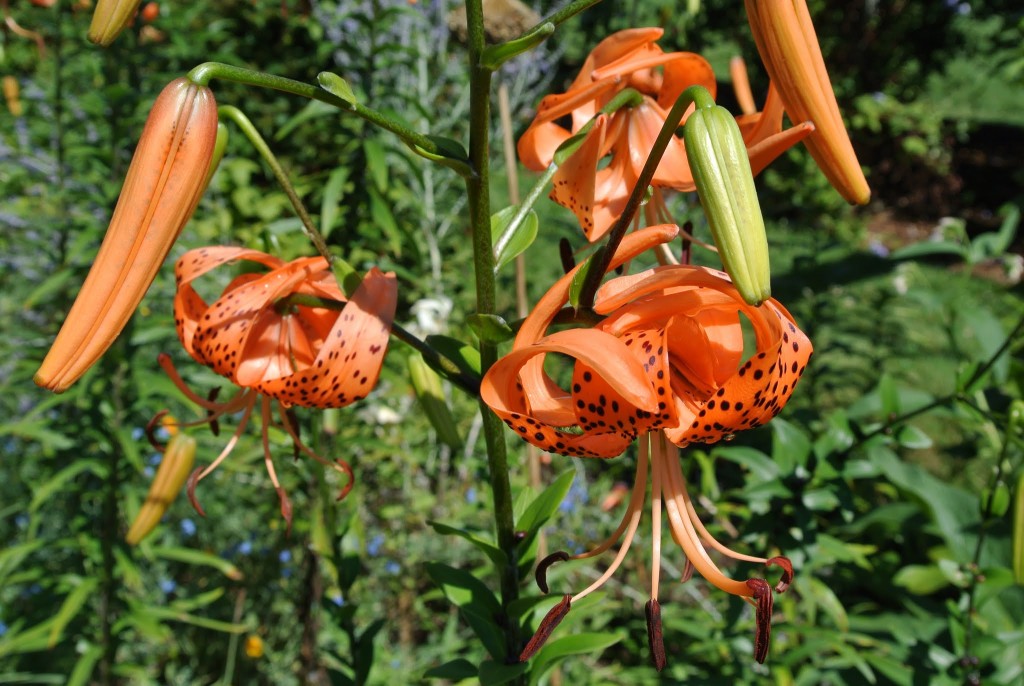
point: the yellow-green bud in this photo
(110, 18)
(171, 475)
(1018, 532)
(725, 184)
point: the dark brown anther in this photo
(542, 568)
(687, 572)
(762, 617)
(347, 469)
(552, 619)
(565, 253)
(519, 536)
(193, 481)
(787, 572)
(214, 424)
(151, 428)
(655, 637)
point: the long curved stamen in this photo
(235, 403)
(711, 540)
(655, 530)
(686, 535)
(286, 505)
(243, 422)
(634, 522)
(636, 502)
(338, 465)
(165, 362)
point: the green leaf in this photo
(493, 673)
(171, 615)
(198, 558)
(336, 86)
(55, 483)
(790, 446)
(333, 191)
(476, 603)
(921, 579)
(909, 436)
(313, 110)
(928, 248)
(71, 606)
(556, 650)
(510, 241)
(825, 598)
(496, 555)
(82, 672)
(543, 506)
(381, 215)
(465, 356)
(376, 163)
(454, 670)
(490, 328)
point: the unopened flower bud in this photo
(110, 18)
(171, 475)
(166, 178)
(725, 184)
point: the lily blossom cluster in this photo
(289, 335)
(667, 364)
(631, 59)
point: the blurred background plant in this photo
(891, 479)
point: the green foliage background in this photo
(889, 479)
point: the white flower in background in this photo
(431, 315)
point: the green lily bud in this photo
(110, 18)
(427, 384)
(725, 185)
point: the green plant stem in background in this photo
(483, 263)
(238, 117)
(207, 71)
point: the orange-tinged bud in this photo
(150, 12)
(110, 18)
(165, 181)
(171, 475)
(789, 48)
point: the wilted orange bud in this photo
(12, 94)
(170, 477)
(164, 183)
(789, 48)
(150, 12)
(110, 18)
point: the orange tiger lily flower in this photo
(789, 48)
(668, 359)
(166, 178)
(631, 59)
(309, 355)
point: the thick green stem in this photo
(483, 261)
(246, 126)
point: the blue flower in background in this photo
(3, 628)
(188, 527)
(374, 546)
(338, 599)
(471, 495)
(285, 556)
(392, 568)
(168, 586)
(245, 547)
